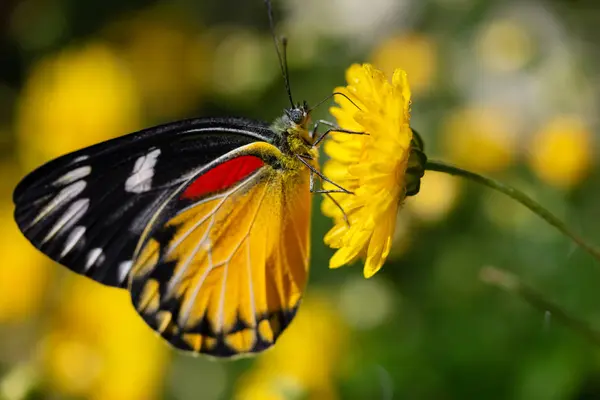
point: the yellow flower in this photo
(437, 197)
(242, 67)
(73, 99)
(415, 53)
(479, 138)
(561, 152)
(305, 361)
(505, 45)
(170, 61)
(372, 166)
(24, 272)
(98, 348)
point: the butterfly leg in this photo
(328, 194)
(338, 205)
(332, 128)
(311, 182)
(313, 172)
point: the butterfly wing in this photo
(223, 273)
(87, 209)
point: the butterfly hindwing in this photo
(221, 272)
(87, 210)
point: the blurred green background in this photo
(505, 88)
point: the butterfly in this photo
(206, 222)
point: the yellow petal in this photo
(344, 256)
(341, 153)
(379, 246)
(334, 237)
(400, 81)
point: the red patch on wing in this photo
(222, 176)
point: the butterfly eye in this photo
(297, 115)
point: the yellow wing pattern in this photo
(225, 275)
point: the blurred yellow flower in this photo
(482, 139)
(504, 46)
(561, 152)
(168, 58)
(18, 383)
(367, 303)
(372, 166)
(437, 197)
(415, 53)
(24, 272)
(73, 99)
(305, 361)
(243, 65)
(98, 348)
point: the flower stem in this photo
(512, 284)
(518, 196)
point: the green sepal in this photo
(415, 168)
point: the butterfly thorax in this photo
(293, 137)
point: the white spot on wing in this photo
(74, 238)
(63, 196)
(75, 211)
(95, 256)
(73, 175)
(140, 179)
(124, 268)
(81, 158)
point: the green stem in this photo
(512, 284)
(518, 196)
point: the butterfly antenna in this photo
(286, 74)
(282, 58)
(330, 96)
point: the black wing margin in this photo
(87, 209)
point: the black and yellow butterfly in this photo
(205, 221)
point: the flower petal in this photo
(343, 256)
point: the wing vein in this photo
(250, 285)
(183, 319)
(301, 242)
(173, 282)
(225, 272)
(188, 261)
(224, 197)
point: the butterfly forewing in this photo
(87, 210)
(221, 272)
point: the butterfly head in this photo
(297, 117)
(292, 130)
(294, 127)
